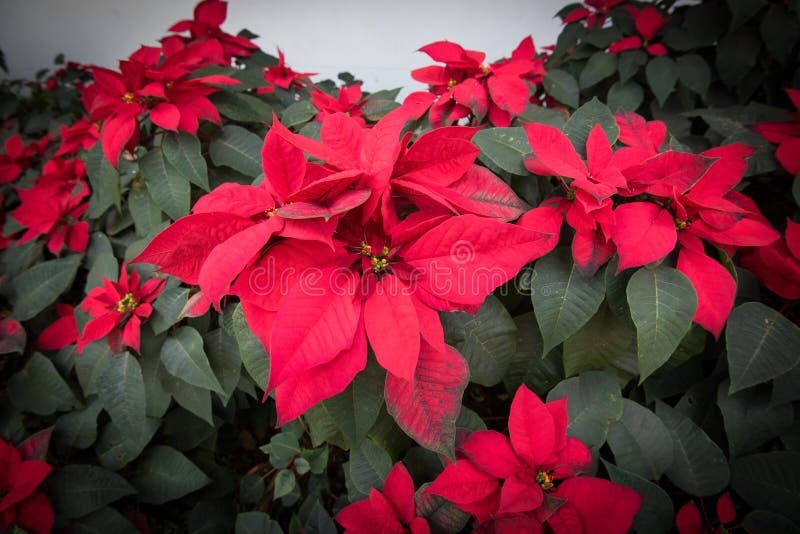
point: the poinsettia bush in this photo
(554, 292)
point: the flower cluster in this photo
(324, 257)
(22, 504)
(644, 200)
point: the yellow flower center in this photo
(680, 225)
(452, 83)
(128, 97)
(379, 262)
(271, 212)
(545, 480)
(127, 304)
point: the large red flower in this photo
(517, 482)
(391, 510)
(649, 22)
(117, 310)
(22, 504)
(786, 134)
(208, 17)
(55, 216)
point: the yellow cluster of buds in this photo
(127, 304)
(378, 262)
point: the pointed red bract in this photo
(688, 519)
(644, 233)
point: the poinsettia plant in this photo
(551, 292)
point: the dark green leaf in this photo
(79, 489)
(769, 481)
(298, 113)
(357, 407)
(102, 521)
(184, 358)
(764, 522)
(599, 67)
(104, 179)
(695, 73)
(256, 523)
(241, 107)
(662, 303)
(368, 468)
(182, 150)
(640, 442)
(441, 514)
(698, 466)
(562, 86)
(164, 474)
(117, 447)
(627, 96)
(223, 356)
(40, 286)
(254, 357)
(762, 344)
(169, 189)
(630, 61)
(238, 149)
(563, 299)
(737, 53)
(121, 390)
(77, 429)
(604, 343)
(285, 483)
(585, 118)
(487, 340)
(506, 148)
(39, 389)
(146, 214)
(282, 449)
(656, 514)
(167, 308)
(750, 418)
(662, 75)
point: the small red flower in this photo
(115, 303)
(786, 134)
(82, 135)
(19, 157)
(348, 102)
(55, 216)
(595, 12)
(283, 76)
(208, 17)
(777, 265)
(649, 22)
(22, 504)
(391, 510)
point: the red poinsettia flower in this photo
(82, 135)
(466, 86)
(787, 136)
(62, 332)
(208, 17)
(12, 336)
(518, 480)
(22, 504)
(348, 102)
(118, 309)
(55, 216)
(594, 11)
(63, 178)
(19, 157)
(391, 510)
(649, 22)
(777, 265)
(283, 76)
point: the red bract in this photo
(208, 17)
(55, 216)
(391, 510)
(349, 102)
(466, 86)
(19, 157)
(777, 265)
(62, 332)
(689, 521)
(283, 76)
(518, 481)
(63, 178)
(115, 303)
(649, 22)
(82, 135)
(22, 504)
(594, 11)
(787, 136)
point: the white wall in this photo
(375, 40)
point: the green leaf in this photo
(640, 442)
(319, 522)
(282, 449)
(184, 430)
(562, 86)
(117, 446)
(285, 483)
(737, 53)
(254, 357)
(167, 308)
(196, 400)
(121, 390)
(630, 61)
(164, 474)
(656, 514)
(600, 66)
(238, 149)
(251, 489)
(157, 400)
(593, 401)
(356, 409)
(534, 113)
(626, 96)
(751, 420)
(662, 75)
(256, 523)
(762, 344)
(78, 489)
(102, 521)
(764, 522)
(242, 107)
(169, 189)
(104, 266)
(662, 303)
(563, 299)
(506, 148)
(441, 514)
(298, 113)
(603, 343)
(698, 466)
(39, 389)
(780, 31)
(40, 286)
(104, 179)
(90, 365)
(182, 150)
(223, 356)
(184, 358)
(743, 10)
(487, 340)
(695, 73)
(146, 214)
(585, 118)
(77, 430)
(769, 481)
(368, 468)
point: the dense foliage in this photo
(552, 293)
